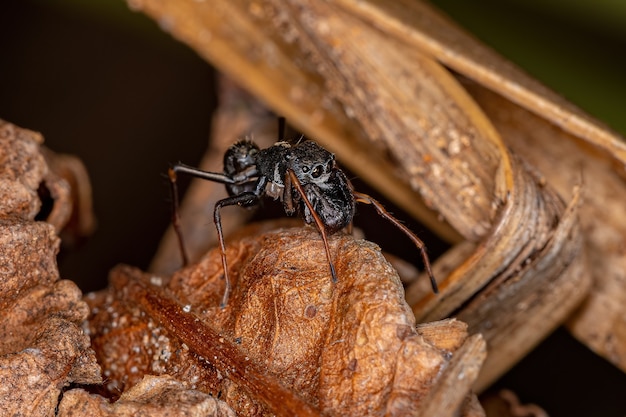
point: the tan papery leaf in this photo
(290, 340)
(42, 346)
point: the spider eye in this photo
(305, 169)
(317, 171)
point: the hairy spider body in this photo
(263, 172)
(303, 176)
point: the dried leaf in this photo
(348, 348)
(153, 396)
(79, 207)
(43, 347)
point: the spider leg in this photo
(194, 172)
(291, 178)
(244, 199)
(199, 173)
(364, 198)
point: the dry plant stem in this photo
(538, 299)
(229, 36)
(521, 230)
(565, 161)
(539, 281)
(418, 24)
(206, 342)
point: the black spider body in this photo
(303, 176)
(262, 172)
(333, 202)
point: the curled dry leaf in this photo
(152, 396)
(289, 338)
(82, 221)
(43, 348)
(596, 161)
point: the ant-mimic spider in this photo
(304, 176)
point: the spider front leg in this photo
(292, 179)
(364, 198)
(173, 176)
(245, 199)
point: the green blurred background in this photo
(105, 83)
(577, 47)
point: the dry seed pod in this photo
(348, 348)
(43, 347)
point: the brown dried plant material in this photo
(364, 79)
(349, 348)
(506, 404)
(601, 322)
(82, 220)
(539, 281)
(43, 348)
(152, 396)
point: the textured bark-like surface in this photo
(289, 337)
(151, 397)
(42, 346)
(563, 161)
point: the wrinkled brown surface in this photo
(348, 348)
(42, 346)
(151, 397)
(365, 79)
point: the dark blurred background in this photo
(106, 84)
